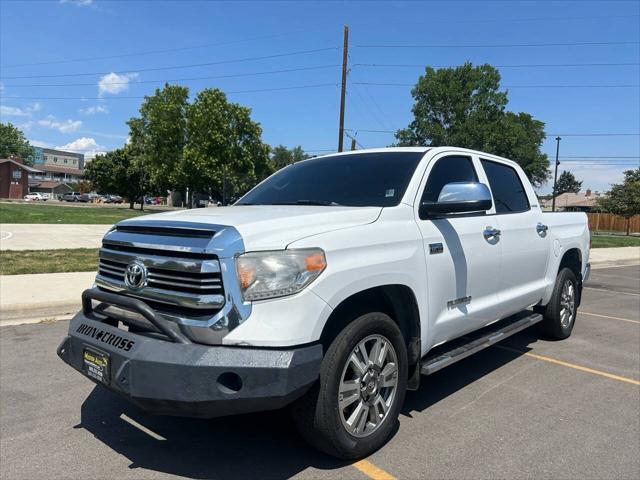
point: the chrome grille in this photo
(180, 271)
(198, 283)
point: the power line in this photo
(586, 157)
(355, 140)
(235, 75)
(596, 134)
(533, 65)
(152, 52)
(383, 84)
(177, 67)
(551, 134)
(502, 45)
(296, 87)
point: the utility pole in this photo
(343, 90)
(555, 176)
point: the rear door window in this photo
(509, 195)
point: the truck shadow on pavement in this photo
(261, 445)
(448, 381)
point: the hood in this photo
(265, 227)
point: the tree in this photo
(118, 172)
(158, 136)
(463, 107)
(624, 198)
(14, 143)
(281, 156)
(567, 183)
(224, 154)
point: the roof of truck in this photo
(434, 150)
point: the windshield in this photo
(364, 179)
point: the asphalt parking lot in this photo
(527, 408)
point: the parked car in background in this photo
(35, 197)
(46, 196)
(85, 198)
(71, 197)
(112, 199)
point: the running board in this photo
(463, 347)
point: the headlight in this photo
(278, 273)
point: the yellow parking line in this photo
(573, 365)
(371, 471)
(608, 316)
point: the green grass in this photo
(17, 262)
(42, 213)
(607, 241)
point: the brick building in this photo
(14, 178)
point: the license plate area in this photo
(95, 364)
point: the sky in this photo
(72, 72)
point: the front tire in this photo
(353, 409)
(560, 312)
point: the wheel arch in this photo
(396, 300)
(572, 259)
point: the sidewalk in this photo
(41, 296)
(614, 256)
(42, 236)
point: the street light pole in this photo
(555, 176)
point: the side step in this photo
(458, 349)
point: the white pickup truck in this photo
(332, 286)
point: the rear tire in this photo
(560, 312)
(353, 408)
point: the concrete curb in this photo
(41, 296)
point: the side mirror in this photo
(458, 197)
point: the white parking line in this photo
(608, 316)
(6, 236)
(142, 428)
(613, 291)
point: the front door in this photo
(463, 264)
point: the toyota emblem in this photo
(135, 276)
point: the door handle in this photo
(490, 232)
(541, 228)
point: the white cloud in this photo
(86, 145)
(20, 112)
(40, 143)
(63, 126)
(94, 110)
(78, 3)
(113, 83)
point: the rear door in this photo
(524, 240)
(462, 264)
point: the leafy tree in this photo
(118, 172)
(567, 183)
(13, 142)
(281, 156)
(463, 106)
(624, 198)
(158, 136)
(224, 154)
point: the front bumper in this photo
(193, 380)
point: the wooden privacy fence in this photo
(613, 223)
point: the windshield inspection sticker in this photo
(390, 192)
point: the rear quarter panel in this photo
(568, 230)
